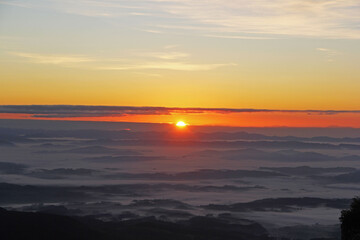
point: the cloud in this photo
(324, 19)
(281, 204)
(282, 155)
(152, 31)
(176, 66)
(140, 14)
(309, 171)
(53, 59)
(67, 111)
(202, 174)
(160, 61)
(12, 168)
(287, 18)
(119, 159)
(238, 37)
(329, 53)
(60, 173)
(94, 150)
(166, 55)
(171, 46)
(16, 4)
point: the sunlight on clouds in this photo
(52, 59)
(166, 55)
(177, 66)
(152, 31)
(121, 64)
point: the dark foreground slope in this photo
(25, 225)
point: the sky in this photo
(276, 55)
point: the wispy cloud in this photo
(165, 55)
(152, 31)
(177, 66)
(169, 52)
(329, 53)
(171, 46)
(16, 4)
(140, 14)
(288, 18)
(53, 59)
(165, 61)
(238, 37)
(326, 18)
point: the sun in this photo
(181, 124)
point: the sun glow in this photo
(181, 124)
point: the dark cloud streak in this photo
(72, 111)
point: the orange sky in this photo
(210, 54)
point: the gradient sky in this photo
(280, 54)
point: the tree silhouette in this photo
(350, 221)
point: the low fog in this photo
(294, 182)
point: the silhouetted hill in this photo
(26, 225)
